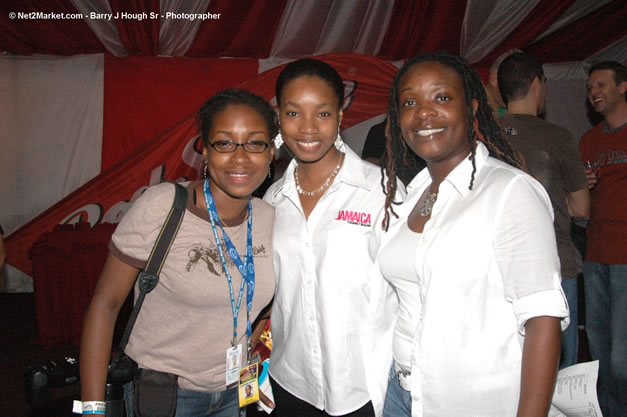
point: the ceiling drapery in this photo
(556, 30)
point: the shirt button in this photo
(309, 281)
(311, 318)
(306, 244)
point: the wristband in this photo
(89, 407)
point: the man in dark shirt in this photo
(553, 158)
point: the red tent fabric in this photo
(176, 57)
(250, 28)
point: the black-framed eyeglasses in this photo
(227, 146)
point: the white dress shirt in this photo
(333, 313)
(486, 263)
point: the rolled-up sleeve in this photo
(526, 252)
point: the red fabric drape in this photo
(66, 265)
(423, 26)
(174, 155)
(53, 36)
(245, 29)
(532, 26)
(585, 36)
(106, 196)
(140, 36)
(146, 96)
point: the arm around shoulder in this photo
(114, 285)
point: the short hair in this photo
(234, 96)
(619, 71)
(497, 62)
(309, 67)
(516, 73)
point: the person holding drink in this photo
(604, 148)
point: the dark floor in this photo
(19, 350)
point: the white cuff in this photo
(550, 303)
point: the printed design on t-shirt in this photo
(612, 157)
(511, 131)
(209, 257)
(355, 217)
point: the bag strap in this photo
(149, 276)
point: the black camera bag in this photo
(152, 387)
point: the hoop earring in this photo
(339, 143)
(278, 140)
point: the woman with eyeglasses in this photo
(195, 324)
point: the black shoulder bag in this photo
(154, 392)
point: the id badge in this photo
(233, 360)
(248, 385)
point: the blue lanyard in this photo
(246, 268)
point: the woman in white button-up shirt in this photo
(472, 257)
(332, 313)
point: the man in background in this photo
(492, 87)
(374, 146)
(553, 158)
(605, 266)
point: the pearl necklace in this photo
(425, 208)
(324, 185)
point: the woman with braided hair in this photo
(478, 328)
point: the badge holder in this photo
(233, 361)
(248, 385)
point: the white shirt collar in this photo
(352, 173)
(459, 177)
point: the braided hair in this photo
(481, 126)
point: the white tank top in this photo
(398, 265)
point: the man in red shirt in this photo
(605, 268)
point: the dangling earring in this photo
(278, 140)
(339, 143)
(205, 171)
(270, 171)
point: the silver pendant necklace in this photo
(427, 205)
